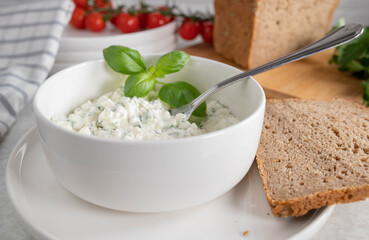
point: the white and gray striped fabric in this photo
(29, 41)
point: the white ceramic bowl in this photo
(149, 176)
(84, 40)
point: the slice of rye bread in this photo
(313, 153)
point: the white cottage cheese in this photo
(115, 116)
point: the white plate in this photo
(61, 65)
(49, 211)
(84, 40)
(77, 56)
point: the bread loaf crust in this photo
(234, 29)
(284, 205)
(279, 32)
(254, 32)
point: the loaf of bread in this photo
(313, 153)
(254, 32)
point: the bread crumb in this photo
(245, 233)
(323, 168)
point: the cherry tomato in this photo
(143, 19)
(156, 19)
(127, 23)
(113, 19)
(163, 8)
(81, 3)
(95, 22)
(170, 18)
(102, 3)
(206, 31)
(167, 13)
(78, 18)
(189, 29)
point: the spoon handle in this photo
(333, 39)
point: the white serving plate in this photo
(49, 211)
(77, 56)
(84, 40)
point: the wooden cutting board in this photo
(311, 78)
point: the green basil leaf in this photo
(124, 60)
(170, 63)
(365, 60)
(333, 59)
(353, 49)
(200, 111)
(151, 69)
(354, 66)
(139, 85)
(361, 74)
(179, 93)
(350, 52)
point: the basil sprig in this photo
(141, 80)
(354, 57)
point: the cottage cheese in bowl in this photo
(146, 175)
(115, 116)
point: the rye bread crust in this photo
(298, 206)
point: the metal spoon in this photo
(333, 39)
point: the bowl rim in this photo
(200, 137)
(81, 56)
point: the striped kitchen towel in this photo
(29, 40)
